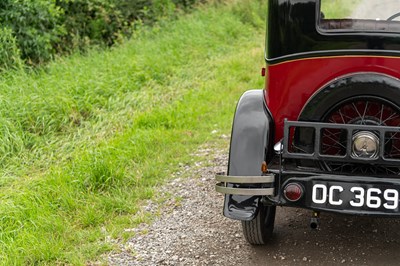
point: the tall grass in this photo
(336, 9)
(86, 139)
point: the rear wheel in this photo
(259, 230)
(372, 111)
(361, 99)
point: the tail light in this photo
(293, 192)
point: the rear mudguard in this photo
(251, 145)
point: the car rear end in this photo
(331, 111)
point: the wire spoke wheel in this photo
(372, 111)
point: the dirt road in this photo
(192, 231)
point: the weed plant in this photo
(86, 139)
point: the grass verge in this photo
(86, 139)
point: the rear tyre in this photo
(259, 230)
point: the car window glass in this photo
(360, 15)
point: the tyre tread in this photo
(255, 231)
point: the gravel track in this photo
(190, 231)
(193, 231)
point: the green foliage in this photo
(86, 139)
(43, 28)
(98, 22)
(35, 26)
(251, 11)
(89, 22)
(101, 175)
(10, 55)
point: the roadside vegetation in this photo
(339, 8)
(34, 32)
(85, 140)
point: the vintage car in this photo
(324, 133)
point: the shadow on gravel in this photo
(340, 239)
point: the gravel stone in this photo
(189, 229)
(193, 232)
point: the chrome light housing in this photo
(365, 145)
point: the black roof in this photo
(293, 32)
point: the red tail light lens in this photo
(293, 192)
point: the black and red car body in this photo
(324, 133)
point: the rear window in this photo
(359, 15)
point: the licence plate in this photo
(339, 195)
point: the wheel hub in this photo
(365, 145)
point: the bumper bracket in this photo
(236, 185)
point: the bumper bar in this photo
(235, 181)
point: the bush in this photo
(98, 22)
(43, 28)
(35, 26)
(88, 22)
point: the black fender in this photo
(251, 145)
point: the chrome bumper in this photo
(222, 186)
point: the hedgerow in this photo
(35, 30)
(34, 25)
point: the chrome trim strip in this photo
(246, 179)
(220, 187)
